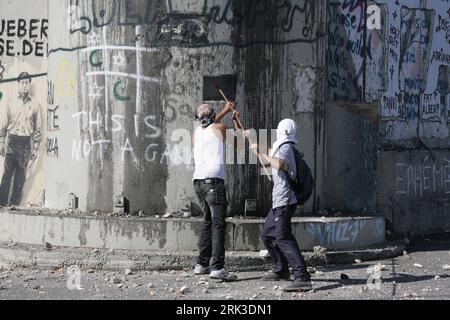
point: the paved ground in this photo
(420, 274)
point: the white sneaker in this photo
(200, 270)
(222, 275)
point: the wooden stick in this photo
(243, 130)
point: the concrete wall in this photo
(388, 110)
(126, 76)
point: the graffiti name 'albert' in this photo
(22, 37)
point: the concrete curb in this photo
(180, 234)
(21, 255)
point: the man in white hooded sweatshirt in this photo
(277, 233)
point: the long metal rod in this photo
(243, 130)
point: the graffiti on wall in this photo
(427, 178)
(188, 26)
(23, 66)
(20, 140)
(22, 37)
(404, 66)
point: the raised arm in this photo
(227, 109)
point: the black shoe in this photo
(276, 277)
(299, 285)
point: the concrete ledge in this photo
(19, 255)
(179, 234)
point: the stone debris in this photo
(344, 276)
(446, 267)
(358, 261)
(128, 272)
(418, 265)
(117, 280)
(275, 288)
(379, 267)
(167, 215)
(184, 290)
(312, 270)
(320, 250)
(264, 254)
(120, 285)
(29, 278)
(48, 246)
(437, 278)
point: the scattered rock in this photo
(120, 285)
(437, 278)
(128, 272)
(48, 246)
(262, 288)
(275, 288)
(320, 250)
(36, 287)
(380, 267)
(344, 276)
(228, 298)
(446, 267)
(264, 254)
(186, 215)
(358, 261)
(29, 278)
(141, 213)
(418, 265)
(117, 280)
(167, 215)
(312, 270)
(184, 290)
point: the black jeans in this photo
(211, 194)
(282, 245)
(16, 162)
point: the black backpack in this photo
(303, 185)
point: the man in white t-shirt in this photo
(209, 185)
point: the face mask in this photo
(207, 121)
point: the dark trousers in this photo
(282, 245)
(16, 162)
(211, 194)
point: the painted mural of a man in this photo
(20, 138)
